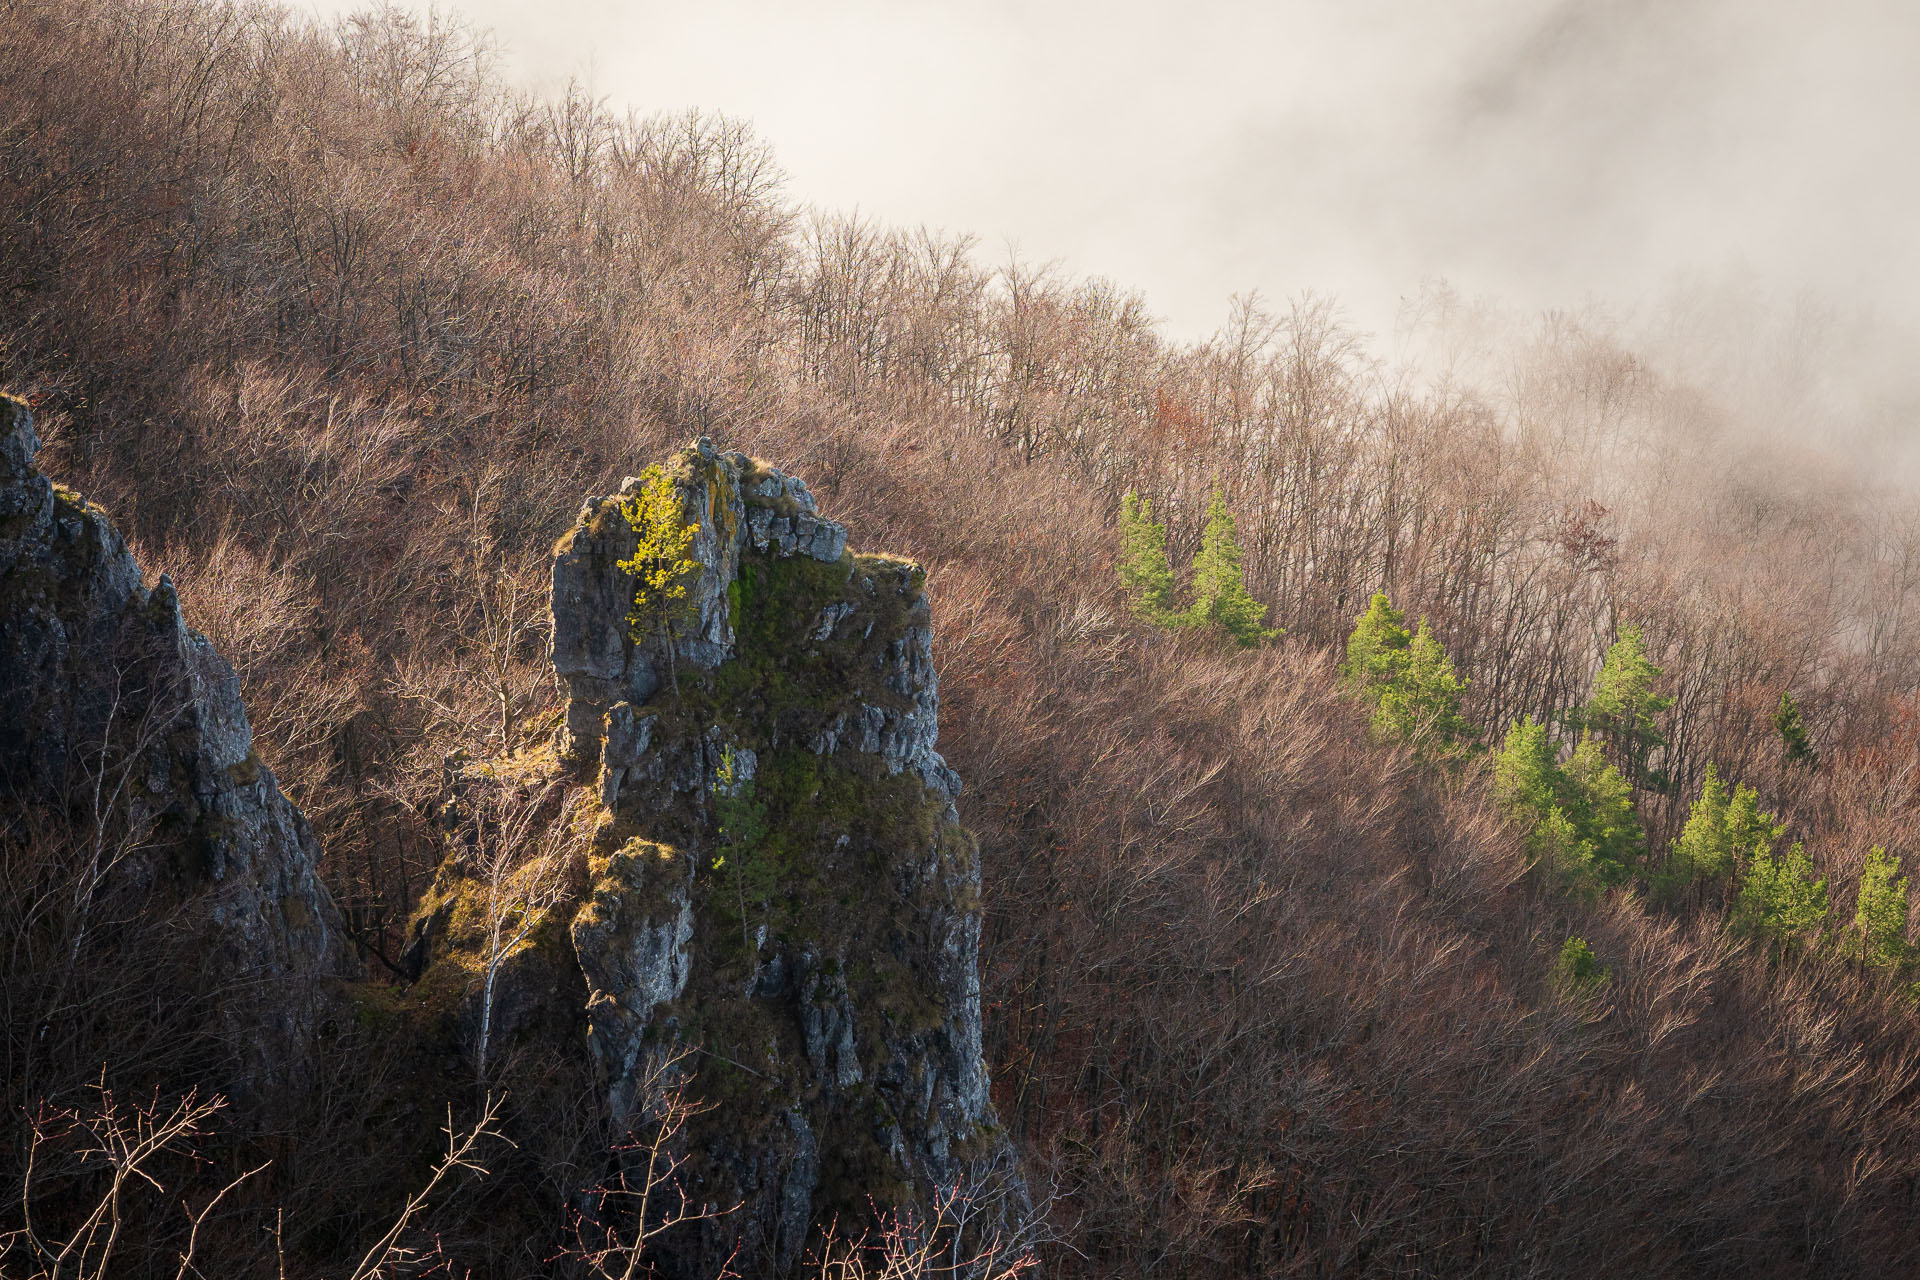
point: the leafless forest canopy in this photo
(340, 331)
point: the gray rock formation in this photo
(117, 718)
(778, 890)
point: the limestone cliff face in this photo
(776, 882)
(115, 714)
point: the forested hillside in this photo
(1280, 978)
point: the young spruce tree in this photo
(1701, 851)
(1577, 971)
(1602, 805)
(1724, 833)
(1423, 706)
(1377, 649)
(1780, 902)
(1580, 818)
(1795, 744)
(1145, 570)
(1409, 679)
(1880, 918)
(1528, 785)
(1220, 596)
(1623, 707)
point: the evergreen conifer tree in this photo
(1423, 706)
(1624, 706)
(1795, 744)
(1602, 805)
(1219, 588)
(1556, 844)
(1880, 918)
(1408, 678)
(1525, 777)
(1702, 849)
(1377, 651)
(1145, 570)
(1751, 830)
(1527, 783)
(1580, 818)
(1577, 971)
(1724, 833)
(1780, 902)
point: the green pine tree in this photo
(1724, 834)
(1577, 971)
(1702, 850)
(1780, 902)
(1580, 818)
(1423, 705)
(1795, 744)
(1526, 778)
(1751, 830)
(1623, 707)
(1145, 570)
(1219, 591)
(1378, 649)
(1409, 680)
(1881, 915)
(1602, 806)
(1557, 845)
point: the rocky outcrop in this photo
(120, 720)
(777, 894)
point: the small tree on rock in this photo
(741, 821)
(661, 568)
(520, 877)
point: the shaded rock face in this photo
(779, 886)
(115, 715)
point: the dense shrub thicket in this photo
(340, 331)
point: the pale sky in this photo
(1547, 152)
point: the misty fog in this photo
(1729, 181)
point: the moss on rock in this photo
(828, 1002)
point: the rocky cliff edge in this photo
(120, 722)
(773, 890)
